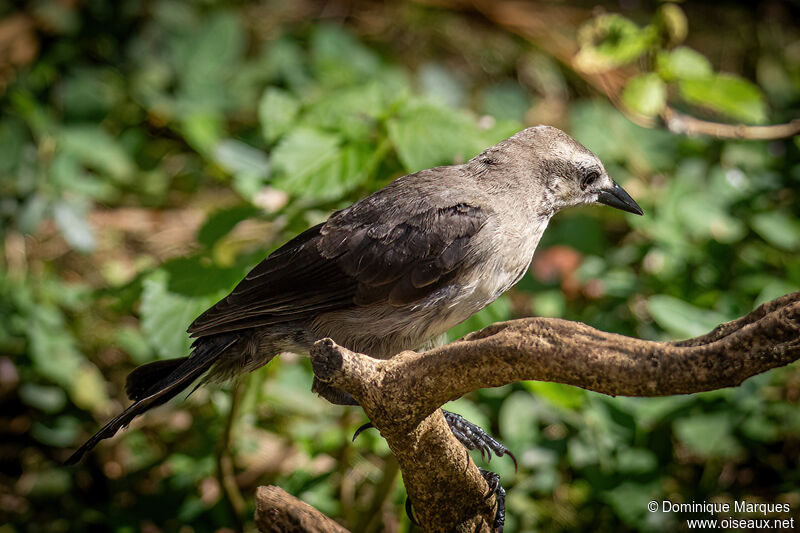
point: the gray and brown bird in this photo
(391, 272)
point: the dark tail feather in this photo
(142, 378)
(152, 384)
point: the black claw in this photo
(369, 425)
(410, 512)
(513, 458)
(475, 438)
(493, 480)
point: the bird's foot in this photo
(475, 438)
(468, 434)
(493, 480)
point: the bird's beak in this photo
(617, 197)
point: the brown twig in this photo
(682, 123)
(402, 395)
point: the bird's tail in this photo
(152, 384)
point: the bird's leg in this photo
(493, 480)
(332, 394)
(475, 438)
(471, 436)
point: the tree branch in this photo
(279, 512)
(402, 395)
(682, 123)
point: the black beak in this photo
(617, 197)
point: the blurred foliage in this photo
(151, 152)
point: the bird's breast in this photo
(499, 260)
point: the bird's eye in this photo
(589, 179)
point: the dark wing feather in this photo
(366, 254)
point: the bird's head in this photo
(555, 169)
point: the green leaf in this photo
(277, 111)
(90, 93)
(66, 174)
(132, 341)
(339, 58)
(63, 433)
(645, 94)
(13, 136)
(55, 357)
(761, 428)
(352, 111)
(707, 435)
(557, 393)
(727, 94)
(165, 315)
(682, 319)
(47, 399)
(207, 56)
(32, 213)
(605, 131)
(238, 158)
(300, 154)
(70, 217)
(609, 41)
(346, 170)
(427, 135)
(88, 388)
(195, 277)
(773, 289)
(221, 222)
(506, 101)
(518, 420)
(778, 228)
(441, 85)
(683, 63)
(629, 501)
(636, 461)
(285, 61)
(202, 130)
(704, 218)
(673, 22)
(549, 303)
(96, 149)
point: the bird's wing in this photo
(369, 253)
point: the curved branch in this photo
(402, 395)
(280, 512)
(682, 123)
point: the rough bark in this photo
(401, 395)
(279, 512)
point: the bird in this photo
(392, 272)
